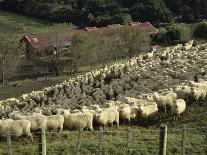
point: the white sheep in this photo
(108, 116)
(78, 121)
(164, 100)
(55, 122)
(198, 93)
(37, 121)
(148, 110)
(16, 128)
(178, 107)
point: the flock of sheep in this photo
(165, 80)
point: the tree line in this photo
(103, 12)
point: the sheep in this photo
(55, 122)
(178, 107)
(16, 128)
(78, 121)
(198, 93)
(108, 116)
(183, 92)
(148, 110)
(37, 121)
(164, 100)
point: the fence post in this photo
(129, 140)
(183, 139)
(78, 143)
(42, 141)
(163, 140)
(9, 144)
(206, 138)
(101, 151)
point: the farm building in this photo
(38, 44)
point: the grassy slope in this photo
(10, 21)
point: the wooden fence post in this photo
(77, 151)
(42, 141)
(183, 139)
(101, 151)
(129, 140)
(9, 144)
(206, 138)
(163, 140)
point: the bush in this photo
(179, 33)
(200, 30)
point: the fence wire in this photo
(106, 142)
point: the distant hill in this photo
(104, 12)
(15, 23)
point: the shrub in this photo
(179, 33)
(200, 30)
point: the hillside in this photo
(104, 12)
(15, 23)
(167, 68)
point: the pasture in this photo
(15, 23)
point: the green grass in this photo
(10, 22)
(145, 140)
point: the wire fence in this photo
(129, 141)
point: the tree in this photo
(10, 55)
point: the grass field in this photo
(145, 140)
(14, 23)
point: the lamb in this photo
(108, 116)
(16, 128)
(78, 121)
(55, 122)
(37, 121)
(178, 107)
(164, 100)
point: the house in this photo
(146, 27)
(90, 28)
(36, 43)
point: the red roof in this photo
(45, 39)
(148, 27)
(90, 28)
(114, 25)
(134, 23)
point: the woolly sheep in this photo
(78, 121)
(148, 110)
(16, 128)
(37, 121)
(108, 116)
(164, 100)
(55, 122)
(178, 107)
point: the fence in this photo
(122, 141)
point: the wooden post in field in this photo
(77, 150)
(42, 141)
(163, 140)
(206, 138)
(8, 137)
(183, 139)
(129, 140)
(101, 151)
